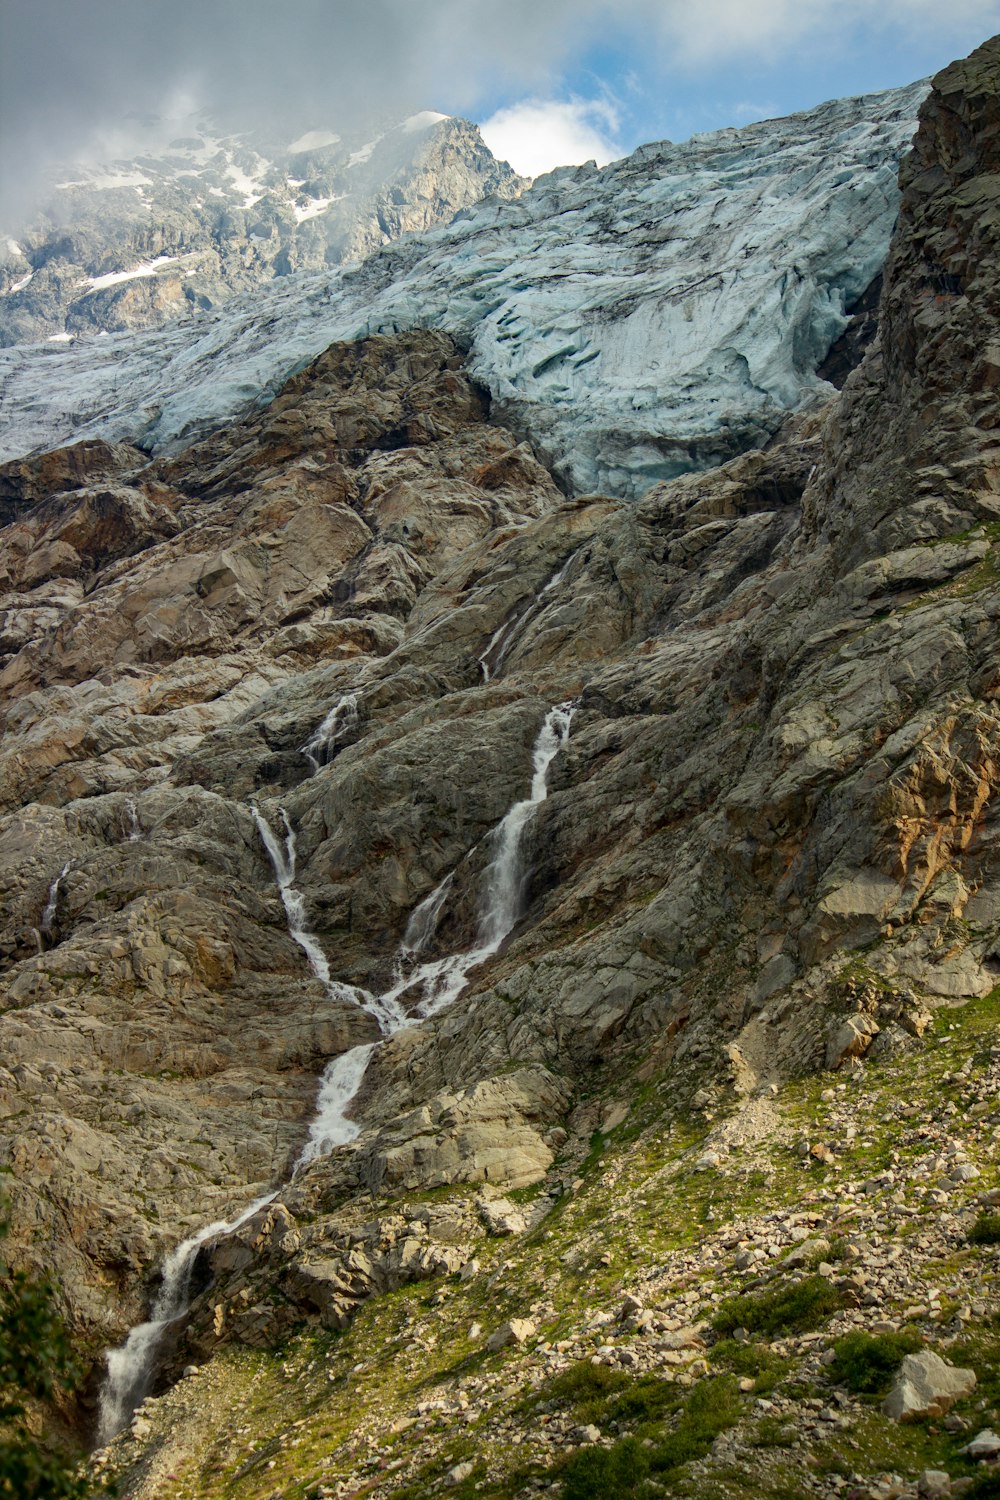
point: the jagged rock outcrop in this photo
(783, 764)
(176, 231)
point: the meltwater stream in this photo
(419, 990)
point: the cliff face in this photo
(140, 243)
(760, 841)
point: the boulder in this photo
(514, 1332)
(926, 1386)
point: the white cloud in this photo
(539, 134)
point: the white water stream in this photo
(341, 719)
(49, 914)
(132, 819)
(503, 639)
(131, 1367)
(433, 985)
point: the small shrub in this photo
(646, 1399)
(785, 1309)
(867, 1363)
(712, 1406)
(984, 1487)
(986, 1230)
(597, 1473)
(583, 1381)
(773, 1432)
(752, 1360)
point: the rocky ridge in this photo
(768, 847)
(140, 242)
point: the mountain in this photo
(659, 315)
(167, 234)
(500, 984)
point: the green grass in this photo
(785, 1309)
(628, 1468)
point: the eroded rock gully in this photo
(784, 750)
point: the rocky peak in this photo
(178, 230)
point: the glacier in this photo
(633, 322)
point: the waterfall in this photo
(502, 639)
(424, 918)
(438, 982)
(341, 719)
(339, 1085)
(49, 914)
(282, 859)
(132, 1366)
(504, 876)
(132, 822)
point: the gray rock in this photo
(516, 1331)
(985, 1445)
(926, 1386)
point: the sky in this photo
(550, 81)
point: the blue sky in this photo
(550, 81)
(648, 72)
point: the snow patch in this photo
(146, 268)
(314, 140)
(315, 208)
(422, 121)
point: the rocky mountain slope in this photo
(628, 869)
(143, 241)
(659, 315)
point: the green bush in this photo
(986, 1230)
(984, 1487)
(867, 1363)
(599, 1473)
(773, 1432)
(646, 1400)
(712, 1406)
(763, 1367)
(583, 1382)
(35, 1362)
(784, 1309)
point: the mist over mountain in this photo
(138, 242)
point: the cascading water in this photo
(340, 1084)
(282, 859)
(438, 982)
(131, 1367)
(502, 639)
(339, 722)
(49, 914)
(134, 832)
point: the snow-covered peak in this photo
(653, 316)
